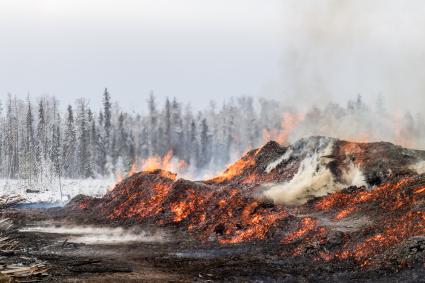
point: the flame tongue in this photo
(360, 223)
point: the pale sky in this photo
(299, 51)
(195, 50)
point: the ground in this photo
(179, 259)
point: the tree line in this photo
(39, 141)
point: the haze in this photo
(198, 50)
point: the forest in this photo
(38, 140)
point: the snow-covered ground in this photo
(55, 191)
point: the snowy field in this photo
(53, 191)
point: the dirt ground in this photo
(178, 259)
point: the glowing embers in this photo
(226, 215)
(141, 205)
(389, 196)
(186, 205)
(235, 169)
(139, 196)
(205, 210)
(152, 205)
(396, 231)
(253, 224)
(395, 218)
(306, 225)
(420, 190)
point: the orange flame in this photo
(307, 224)
(289, 123)
(234, 170)
(150, 164)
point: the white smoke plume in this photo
(419, 167)
(313, 178)
(92, 235)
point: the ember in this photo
(345, 221)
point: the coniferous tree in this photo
(107, 112)
(83, 140)
(30, 154)
(153, 129)
(41, 133)
(69, 146)
(205, 144)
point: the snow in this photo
(53, 191)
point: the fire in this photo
(257, 227)
(255, 221)
(306, 225)
(420, 190)
(156, 162)
(406, 226)
(142, 204)
(290, 121)
(181, 210)
(133, 170)
(167, 163)
(348, 202)
(392, 196)
(356, 224)
(234, 170)
(84, 204)
(344, 213)
(184, 208)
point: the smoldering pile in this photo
(320, 197)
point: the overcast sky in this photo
(294, 50)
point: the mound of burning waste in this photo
(329, 199)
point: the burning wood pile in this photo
(331, 200)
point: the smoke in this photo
(360, 122)
(313, 179)
(419, 167)
(92, 235)
(285, 157)
(353, 176)
(337, 49)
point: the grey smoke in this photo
(336, 49)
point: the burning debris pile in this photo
(331, 200)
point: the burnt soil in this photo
(180, 260)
